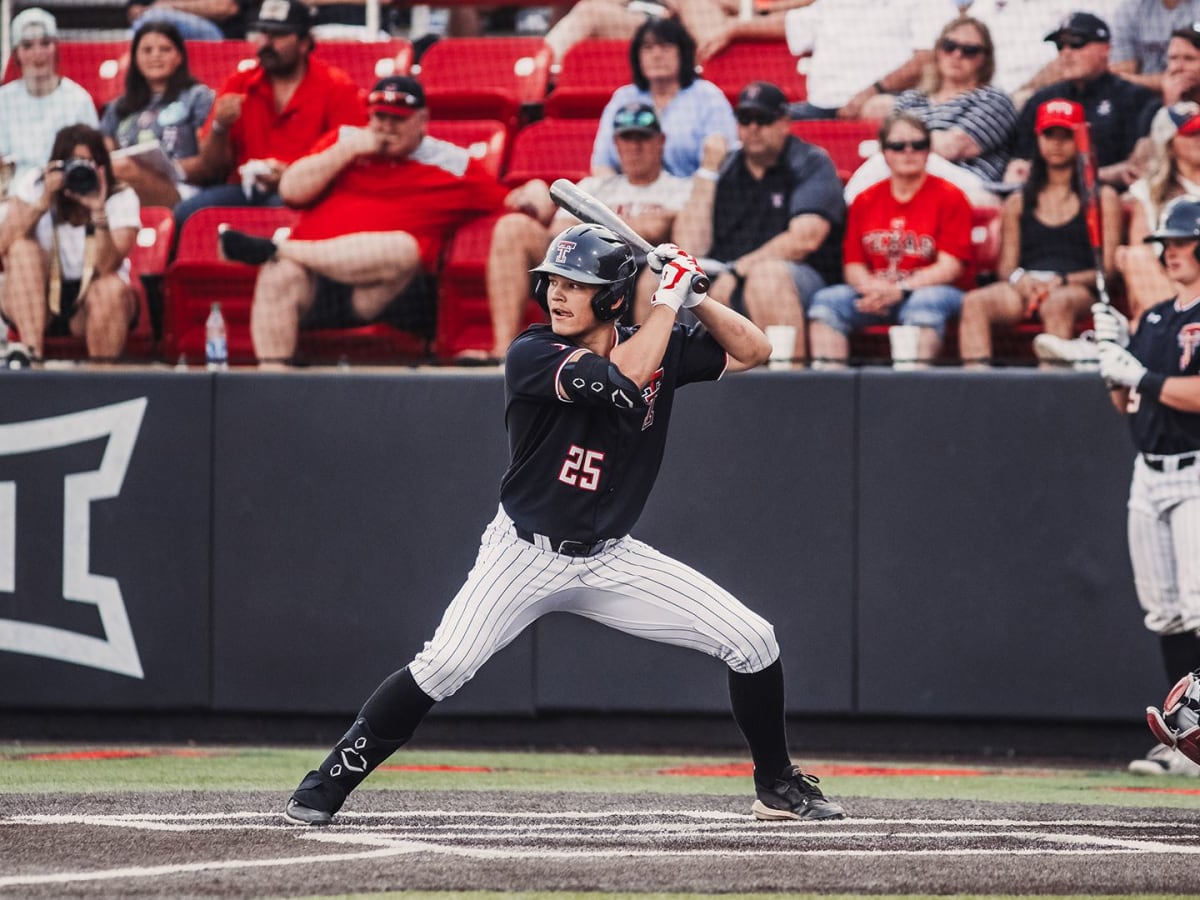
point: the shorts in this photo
(806, 279)
(413, 309)
(60, 325)
(927, 307)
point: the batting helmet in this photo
(1180, 220)
(590, 254)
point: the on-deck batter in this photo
(1156, 382)
(588, 402)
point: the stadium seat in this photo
(367, 61)
(97, 66)
(464, 318)
(744, 61)
(147, 262)
(212, 62)
(485, 78)
(591, 71)
(552, 148)
(485, 139)
(843, 139)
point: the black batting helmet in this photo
(1180, 221)
(590, 254)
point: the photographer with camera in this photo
(65, 242)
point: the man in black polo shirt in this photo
(1118, 112)
(768, 217)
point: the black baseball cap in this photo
(396, 95)
(762, 97)
(636, 118)
(282, 17)
(1190, 33)
(1083, 24)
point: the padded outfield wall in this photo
(932, 544)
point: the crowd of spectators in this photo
(963, 89)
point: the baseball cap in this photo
(282, 17)
(396, 95)
(1178, 118)
(636, 118)
(1058, 113)
(35, 18)
(1190, 33)
(1085, 25)
(762, 97)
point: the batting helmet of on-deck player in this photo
(590, 254)
(1180, 221)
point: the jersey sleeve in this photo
(701, 357)
(534, 362)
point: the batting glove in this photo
(675, 283)
(661, 255)
(1119, 367)
(1110, 325)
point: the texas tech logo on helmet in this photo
(561, 249)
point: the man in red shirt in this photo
(378, 204)
(263, 118)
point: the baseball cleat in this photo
(299, 814)
(795, 796)
(237, 246)
(1164, 760)
(1079, 353)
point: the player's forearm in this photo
(1181, 393)
(745, 343)
(641, 356)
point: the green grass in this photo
(274, 769)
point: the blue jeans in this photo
(928, 307)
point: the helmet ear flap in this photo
(541, 289)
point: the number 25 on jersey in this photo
(581, 468)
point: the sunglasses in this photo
(749, 118)
(1074, 41)
(969, 51)
(898, 146)
(643, 118)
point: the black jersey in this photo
(582, 469)
(1167, 341)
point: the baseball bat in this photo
(1085, 162)
(586, 208)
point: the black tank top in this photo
(1055, 248)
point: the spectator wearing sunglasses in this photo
(662, 56)
(1142, 31)
(970, 121)
(1118, 112)
(906, 253)
(767, 219)
(1046, 267)
(34, 107)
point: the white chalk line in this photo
(698, 823)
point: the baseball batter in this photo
(588, 402)
(1155, 379)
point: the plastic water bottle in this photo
(216, 350)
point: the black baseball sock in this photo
(757, 701)
(1181, 654)
(385, 723)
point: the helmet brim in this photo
(567, 272)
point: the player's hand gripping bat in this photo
(587, 208)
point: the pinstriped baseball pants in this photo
(1164, 546)
(629, 586)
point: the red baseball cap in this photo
(396, 95)
(1058, 113)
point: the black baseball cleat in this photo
(244, 248)
(299, 814)
(795, 795)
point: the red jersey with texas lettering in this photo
(325, 98)
(894, 237)
(429, 194)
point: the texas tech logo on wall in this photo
(113, 648)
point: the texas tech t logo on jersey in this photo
(561, 249)
(1189, 343)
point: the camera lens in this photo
(79, 177)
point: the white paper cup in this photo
(783, 345)
(903, 339)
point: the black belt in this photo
(558, 545)
(1183, 462)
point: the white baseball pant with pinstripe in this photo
(628, 585)
(1164, 543)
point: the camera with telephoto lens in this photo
(80, 178)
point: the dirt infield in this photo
(236, 845)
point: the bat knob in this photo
(700, 284)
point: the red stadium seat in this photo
(842, 139)
(591, 71)
(744, 61)
(464, 318)
(367, 61)
(485, 78)
(97, 66)
(212, 62)
(484, 138)
(552, 148)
